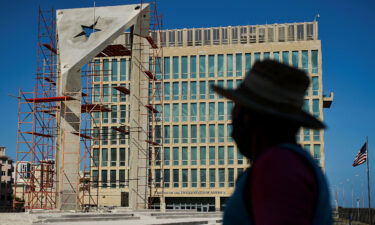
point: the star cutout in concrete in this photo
(88, 30)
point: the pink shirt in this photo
(282, 189)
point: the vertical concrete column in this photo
(217, 203)
(138, 159)
(68, 143)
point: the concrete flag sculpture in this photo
(82, 34)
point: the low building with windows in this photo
(6, 181)
(200, 159)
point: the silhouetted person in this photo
(284, 185)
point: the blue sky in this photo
(346, 29)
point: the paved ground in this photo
(130, 218)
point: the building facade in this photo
(6, 181)
(200, 161)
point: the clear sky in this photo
(346, 28)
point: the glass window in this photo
(203, 177)
(220, 65)
(157, 177)
(202, 111)
(306, 134)
(96, 70)
(317, 152)
(175, 156)
(167, 112)
(104, 157)
(193, 133)
(212, 133)
(300, 32)
(276, 56)
(176, 91)
(286, 58)
(175, 134)
(121, 177)
(212, 155)
(176, 113)
(167, 69)
(229, 132)
(229, 110)
(113, 178)
(247, 62)
(230, 84)
(193, 155)
(184, 155)
(230, 155)
(184, 134)
(114, 113)
(193, 66)
(202, 155)
(221, 132)
(211, 111)
(256, 56)
(239, 64)
(167, 134)
(314, 61)
(211, 66)
(295, 59)
(184, 177)
(211, 92)
(104, 135)
(221, 177)
(315, 107)
(305, 61)
(221, 155)
(193, 177)
(229, 65)
(104, 178)
(175, 68)
(315, 86)
(175, 178)
(122, 156)
(184, 93)
(113, 136)
(266, 55)
(96, 157)
(184, 67)
(307, 148)
(193, 90)
(167, 156)
(202, 133)
(202, 66)
(193, 112)
(231, 177)
(291, 32)
(184, 112)
(202, 89)
(221, 110)
(316, 135)
(306, 105)
(114, 70)
(96, 92)
(157, 68)
(239, 157)
(113, 156)
(212, 177)
(167, 91)
(167, 177)
(122, 69)
(105, 69)
(105, 92)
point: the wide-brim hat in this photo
(274, 89)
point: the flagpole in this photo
(368, 182)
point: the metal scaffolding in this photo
(38, 121)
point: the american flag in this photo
(361, 157)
